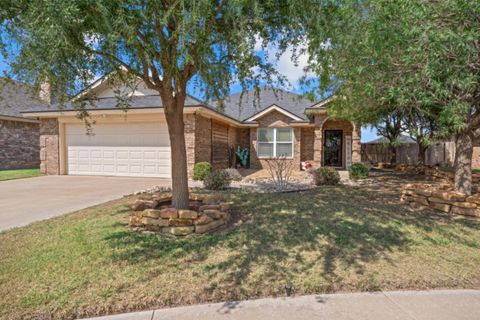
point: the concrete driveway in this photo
(24, 201)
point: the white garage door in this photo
(133, 149)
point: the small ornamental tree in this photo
(168, 44)
(422, 128)
(390, 127)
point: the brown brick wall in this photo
(306, 147)
(49, 147)
(19, 145)
(243, 137)
(476, 157)
(347, 129)
(274, 119)
(318, 139)
(190, 133)
(322, 123)
(203, 139)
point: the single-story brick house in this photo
(136, 143)
(19, 136)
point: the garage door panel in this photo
(119, 149)
(108, 155)
(137, 162)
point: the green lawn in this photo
(325, 240)
(18, 174)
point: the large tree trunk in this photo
(393, 155)
(463, 163)
(176, 126)
(421, 153)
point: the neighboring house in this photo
(19, 136)
(136, 143)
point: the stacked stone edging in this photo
(152, 213)
(441, 197)
(433, 171)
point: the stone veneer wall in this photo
(274, 119)
(19, 145)
(356, 143)
(49, 147)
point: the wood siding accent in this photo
(220, 147)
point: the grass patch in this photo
(324, 240)
(18, 174)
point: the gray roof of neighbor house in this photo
(16, 97)
(242, 107)
(403, 140)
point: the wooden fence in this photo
(442, 152)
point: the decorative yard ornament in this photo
(288, 289)
(243, 155)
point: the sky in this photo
(293, 72)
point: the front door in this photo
(332, 148)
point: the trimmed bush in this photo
(201, 170)
(217, 180)
(233, 174)
(326, 176)
(358, 171)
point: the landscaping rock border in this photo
(440, 197)
(153, 213)
(432, 171)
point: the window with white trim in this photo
(275, 142)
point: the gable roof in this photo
(273, 107)
(322, 104)
(246, 106)
(16, 97)
(239, 107)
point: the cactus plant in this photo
(243, 155)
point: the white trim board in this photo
(273, 107)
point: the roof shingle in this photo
(242, 107)
(16, 97)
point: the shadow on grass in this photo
(338, 226)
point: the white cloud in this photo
(291, 63)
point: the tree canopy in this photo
(166, 43)
(410, 56)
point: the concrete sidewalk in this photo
(410, 305)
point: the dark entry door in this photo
(333, 148)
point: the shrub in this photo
(217, 180)
(280, 170)
(326, 176)
(201, 170)
(233, 174)
(358, 171)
